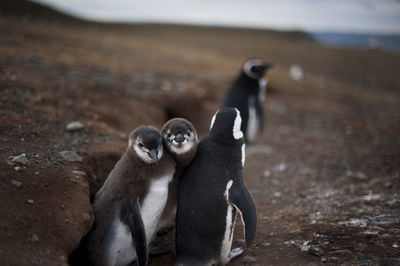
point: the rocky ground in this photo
(324, 174)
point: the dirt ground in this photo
(324, 174)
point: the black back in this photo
(202, 206)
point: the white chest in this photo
(252, 122)
(122, 250)
(153, 205)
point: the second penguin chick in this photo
(180, 139)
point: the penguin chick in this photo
(180, 139)
(128, 206)
(247, 95)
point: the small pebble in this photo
(62, 206)
(17, 168)
(323, 260)
(20, 159)
(316, 251)
(79, 173)
(249, 259)
(36, 173)
(30, 201)
(395, 245)
(281, 167)
(342, 252)
(35, 238)
(75, 126)
(16, 183)
(71, 156)
(267, 173)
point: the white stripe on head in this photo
(213, 119)
(248, 65)
(142, 155)
(237, 133)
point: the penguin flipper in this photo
(242, 200)
(260, 115)
(138, 233)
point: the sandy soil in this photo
(324, 175)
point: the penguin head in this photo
(179, 136)
(146, 143)
(255, 68)
(225, 125)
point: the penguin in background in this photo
(247, 95)
(211, 192)
(180, 139)
(128, 206)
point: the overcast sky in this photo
(377, 16)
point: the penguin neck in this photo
(250, 83)
(225, 141)
(131, 155)
(182, 160)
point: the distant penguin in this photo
(180, 140)
(247, 95)
(129, 205)
(211, 192)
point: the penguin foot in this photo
(234, 253)
(159, 248)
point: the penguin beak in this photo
(261, 68)
(179, 138)
(154, 156)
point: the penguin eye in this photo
(140, 145)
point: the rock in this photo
(384, 219)
(371, 197)
(305, 247)
(355, 223)
(334, 259)
(70, 156)
(316, 251)
(16, 183)
(267, 173)
(32, 57)
(249, 259)
(342, 252)
(79, 173)
(20, 159)
(75, 126)
(35, 238)
(281, 167)
(323, 260)
(17, 168)
(356, 175)
(277, 194)
(395, 245)
(62, 206)
(30, 201)
(296, 72)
